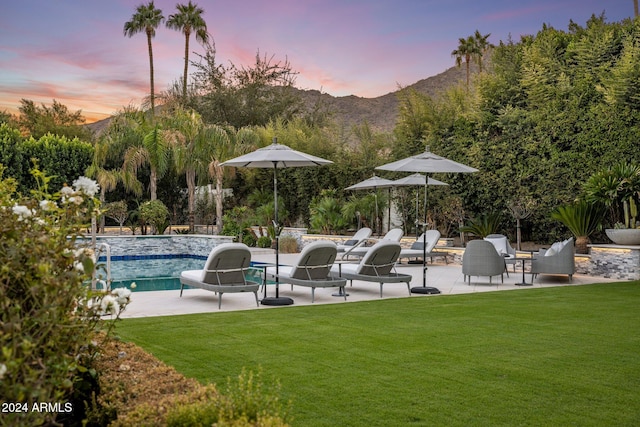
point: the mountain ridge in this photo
(380, 113)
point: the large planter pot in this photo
(624, 236)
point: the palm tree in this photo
(467, 49)
(482, 46)
(635, 7)
(194, 149)
(224, 149)
(188, 20)
(146, 19)
(149, 146)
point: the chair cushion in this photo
(417, 245)
(350, 242)
(554, 249)
(500, 244)
(283, 271)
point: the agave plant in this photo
(618, 188)
(582, 218)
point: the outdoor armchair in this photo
(504, 248)
(311, 269)
(224, 271)
(480, 258)
(377, 266)
(558, 259)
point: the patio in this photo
(447, 278)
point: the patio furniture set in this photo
(318, 265)
(491, 256)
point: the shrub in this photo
(264, 242)
(155, 213)
(288, 244)
(249, 239)
(48, 314)
(247, 401)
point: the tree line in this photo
(546, 112)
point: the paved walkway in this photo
(447, 278)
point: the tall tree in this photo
(482, 46)
(188, 20)
(467, 50)
(37, 121)
(635, 7)
(194, 147)
(146, 19)
(148, 144)
(237, 143)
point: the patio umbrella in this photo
(374, 183)
(417, 180)
(276, 156)
(426, 163)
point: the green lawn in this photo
(555, 356)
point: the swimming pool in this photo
(156, 272)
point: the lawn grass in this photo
(554, 356)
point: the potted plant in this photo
(582, 219)
(618, 188)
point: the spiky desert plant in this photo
(582, 218)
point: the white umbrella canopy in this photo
(417, 179)
(427, 163)
(276, 156)
(373, 182)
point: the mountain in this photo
(380, 113)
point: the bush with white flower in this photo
(47, 333)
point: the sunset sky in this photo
(74, 51)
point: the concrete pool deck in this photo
(447, 278)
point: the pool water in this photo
(155, 273)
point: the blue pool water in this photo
(154, 273)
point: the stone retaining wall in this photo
(615, 262)
(196, 245)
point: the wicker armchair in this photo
(558, 259)
(480, 258)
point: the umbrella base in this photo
(276, 301)
(425, 290)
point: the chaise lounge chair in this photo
(224, 271)
(480, 258)
(416, 250)
(393, 235)
(375, 266)
(311, 269)
(358, 239)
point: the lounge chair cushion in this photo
(556, 248)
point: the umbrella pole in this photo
(417, 210)
(389, 210)
(424, 289)
(277, 300)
